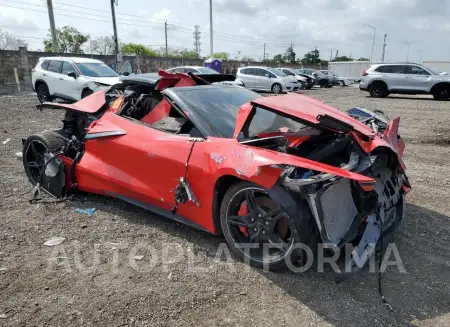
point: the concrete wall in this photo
(25, 61)
(352, 69)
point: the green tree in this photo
(343, 58)
(103, 45)
(69, 40)
(247, 59)
(278, 59)
(363, 59)
(311, 58)
(289, 55)
(221, 55)
(137, 49)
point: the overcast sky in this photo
(241, 27)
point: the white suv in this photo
(383, 79)
(70, 79)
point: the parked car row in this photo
(72, 78)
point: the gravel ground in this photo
(90, 279)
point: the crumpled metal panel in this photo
(338, 209)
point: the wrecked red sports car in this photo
(277, 171)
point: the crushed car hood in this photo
(302, 107)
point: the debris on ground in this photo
(54, 241)
(6, 141)
(3, 269)
(138, 257)
(19, 155)
(89, 211)
(3, 316)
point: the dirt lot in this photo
(60, 286)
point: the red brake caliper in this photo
(242, 212)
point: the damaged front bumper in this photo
(344, 210)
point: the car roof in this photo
(263, 67)
(74, 59)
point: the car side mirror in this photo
(72, 74)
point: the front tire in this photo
(442, 93)
(86, 93)
(277, 88)
(248, 216)
(43, 93)
(323, 83)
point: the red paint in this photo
(157, 113)
(90, 104)
(307, 109)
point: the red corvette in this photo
(268, 173)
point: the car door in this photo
(417, 78)
(69, 86)
(133, 161)
(52, 75)
(263, 79)
(393, 75)
(248, 77)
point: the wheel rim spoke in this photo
(274, 214)
(251, 200)
(237, 221)
(276, 241)
(34, 164)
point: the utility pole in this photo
(331, 54)
(384, 48)
(264, 56)
(315, 51)
(211, 50)
(116, 38)
(51, 17)
(197, 37)
(165, 32)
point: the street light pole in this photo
(373, 40)
(407, 52)
(211, 51)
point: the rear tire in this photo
(442, 93)
(378, 90)
(277, 88)
(43, 93)
(34, 148)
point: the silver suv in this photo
(383, 79)
(266, 79)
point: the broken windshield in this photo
(266, 121)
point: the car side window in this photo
(288, 72)
(67, 68)
(190, 70)
(251, 71)
(265, 73)
(417, 70)
(54, 66)
(44, 64)
(244, 71)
